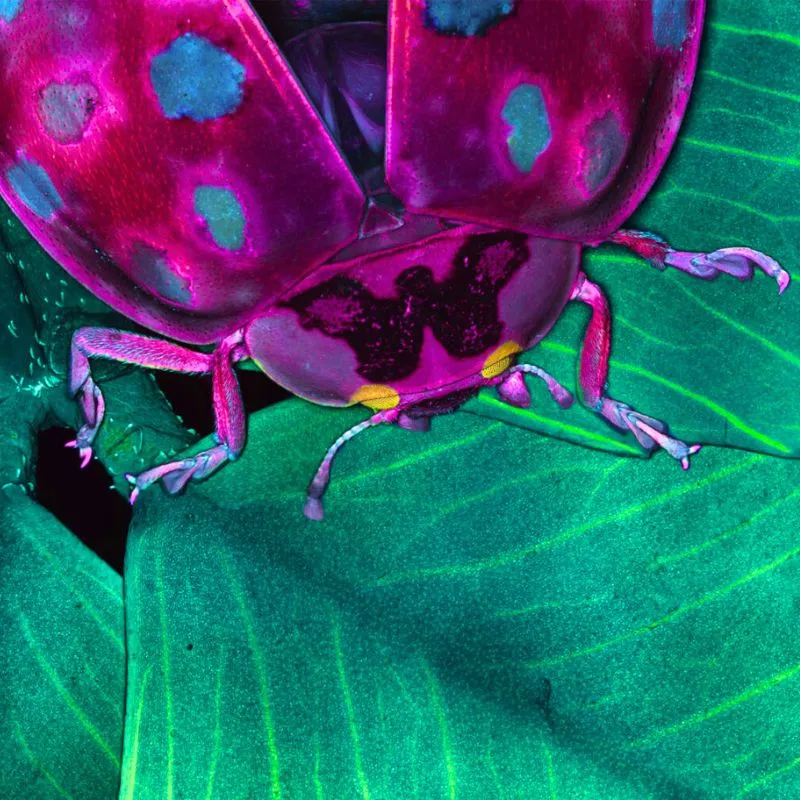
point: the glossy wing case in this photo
(552, 118)
(164, 154)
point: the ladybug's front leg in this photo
(129, 348)
(741, 262)
(133, 348)
(649, 432)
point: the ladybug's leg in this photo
(409, 423)
(313, 508)
(513, 390)
(130, 348)
(230, 434)
(740, 262)
(649, 432)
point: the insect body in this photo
(391, 232)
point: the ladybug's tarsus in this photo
(176, 474)
(740, 262)
(649, 432)
(90, 398)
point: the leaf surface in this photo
(62, 660)
(483, 613)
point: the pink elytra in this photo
(386, 229)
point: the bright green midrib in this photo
(133, 761)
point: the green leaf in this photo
(483, 613)
(719, 361)
(62, 660)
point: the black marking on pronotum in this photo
(386, 334)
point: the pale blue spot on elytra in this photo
(194, 78)
(9, 9)
(223, 215)
(33, 187)
(605, 146)
(526, 113)
(153, 271)
(670, 22)
(66, 110)
(466, 17)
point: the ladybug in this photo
(376, 205)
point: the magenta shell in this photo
(420, 316)
(103, 164)
(613, 100)
(126, 174)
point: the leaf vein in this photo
(699, 602)
(261, 675)
(351, 714)
(66, 696)
(511, 556)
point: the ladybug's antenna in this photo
(313, 508)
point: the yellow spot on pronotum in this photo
(377, 396)
(500, 360)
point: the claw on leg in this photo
(649, 432)
(740, 262)
(177, 474)
(133, 348)
(93, 408)
(85, 453)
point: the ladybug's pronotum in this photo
(386, 231)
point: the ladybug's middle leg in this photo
(133, 348)
(649, 432)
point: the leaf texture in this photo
(62, 660)
(483, 613)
